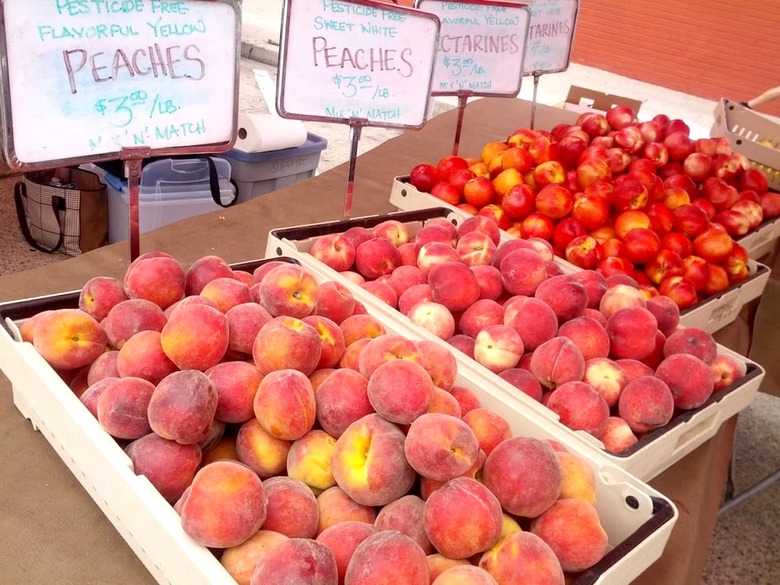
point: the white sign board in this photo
(349, 60)
(85, 79)
(481, 46)
(550, 36)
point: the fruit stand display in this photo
(164, 424)
(511, 310)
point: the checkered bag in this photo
(63, 209)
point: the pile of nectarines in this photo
(606, 355)
(618, 195)
(304, 443)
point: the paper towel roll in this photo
(260, 132)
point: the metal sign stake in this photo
(537, 75)
(355, 128)
(463, 97)
(134, 158)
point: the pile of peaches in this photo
(618, 195)
(607, 356)
(303, 442)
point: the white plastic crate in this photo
(637, 518)
(654, 453)
(712, 313)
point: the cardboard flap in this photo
(582, 99)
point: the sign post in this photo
(355, 62)
(550, 39)
(94, 81)
(481, 50)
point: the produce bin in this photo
(655, 451)
(637, 518)
(169, 190)
(712, 313)
(258, 173)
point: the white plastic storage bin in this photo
(170, 190)
(258, 173)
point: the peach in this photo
(382, 291)
(620, 296)
(491, 284)
(341, 399)
(89, 397)
(129, 317)
(342, 539)
(475, 248)
(359, 326)
(557, 361)
(482, 313)
(195, 337)
(618, 437)
(406, 516)
(646, 403)
(416, 293)
(692, 340)
(334, 301)
(634, 368)
(351, 357)
(331, 340)
(69, 338)
(523, 557)
(438, 563)
(393, 230)
(632, 333)
(405, 277)
(572, 529)
(157, 277)
(588, 335)
(193, 300)
(439, 362)
(463, 343)
(433, 317)
(358, 234)
(463, 518)
(385, 348)
(287, 343)
(334, 250)
(595, 285)
(99, 295)
(524, 474)
(522, 271)
(296, 560)
(236, 384)
(290, 290)
(453, 285)
(498, 347)
(122, 407)
(400, 390)
(285, 405)
(532, 318)
(431, 254)
(214, 435)
(387, 557)
(244, 321)
(466, 397)
(226, 292)
(444, 403)
(726, 370)
(182, 406)
(142, 356)
(240, 560)
(429, 485)
(524, 381)
(225, 448)
(440, 446)
(104, 366)
(27, 326)
(336, 506)
(260, 450)
(607, 377)
(666, 313)
(464, 575)
(579, 407)
(579, 479)
(489, 428)
(203, 270)
(369, 462)
(567, 296)
(309, 460)
(689, 379)
(376, 257)
(168, 465)
(291, 508)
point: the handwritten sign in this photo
(349, 60)
(84, 79)
(481, 46)
(550, 36)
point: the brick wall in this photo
(702, 47)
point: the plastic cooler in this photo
(258, 173)
(655, 451)
(170, 190)
(712, 313)
(637, 518)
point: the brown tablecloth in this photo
(52, 532)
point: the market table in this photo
(52, 532)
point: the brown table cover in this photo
(50, 529)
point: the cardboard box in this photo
(637, 518)
(582, 99)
